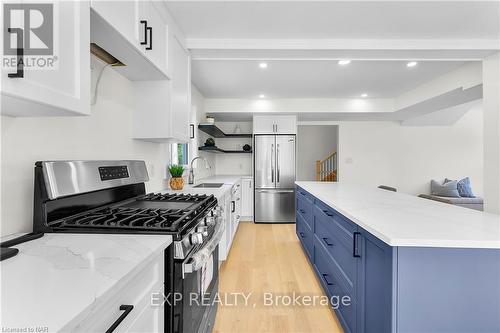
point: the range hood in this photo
(113, 46)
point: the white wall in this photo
(106, 134)
(491, 105)
(234, 164)
(374, 153)
(314, 142)
(198, 116)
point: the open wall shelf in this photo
(216, 132)
(216, 150)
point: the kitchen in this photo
(84, 145)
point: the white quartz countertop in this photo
(228, 180)
(405, 220)
(56, 279)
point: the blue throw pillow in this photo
(464, 187)
(448, 189)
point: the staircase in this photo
(326, 170)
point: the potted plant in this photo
(176, 171)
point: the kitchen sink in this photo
(209, 185)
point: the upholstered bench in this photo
(472, 203)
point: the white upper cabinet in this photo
(153, 32)
(275, 124)
(59, 90)
(162, 108)
(134, 32)
(181, 90)
(121, 15)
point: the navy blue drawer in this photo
(305, 208)
(336, 224)
(305, 236)
(344, 222)
(301, 193)
(333, 287)
(342, 255)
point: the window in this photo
(180, 154)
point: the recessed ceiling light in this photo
(364, 95)
(412, 64)
(263, 65)
(262, 96)
(344, 62)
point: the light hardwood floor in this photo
(268, 258)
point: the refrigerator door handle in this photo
(272, 166)
(275, 191)
(277, 163)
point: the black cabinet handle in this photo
(233, 206)
(355, 253)
(302, 211)
(327, 213)
(150, 30)
(325, 277)
(126, 310)
(20, 52)
(302, 235)
(145, 41)
(327, 242)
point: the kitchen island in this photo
(407, 264)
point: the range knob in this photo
(210, 220)
(202, 230)
(196, 238)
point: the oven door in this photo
(199, 291)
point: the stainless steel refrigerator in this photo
(274, 171)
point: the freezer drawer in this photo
(274, 206)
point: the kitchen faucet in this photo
(191, 173)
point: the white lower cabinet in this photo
(43, 90)
(136, 293)
(247, 199)
(230, 205)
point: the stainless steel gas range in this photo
(110, 197)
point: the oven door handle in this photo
(197, 260)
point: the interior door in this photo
(285, 161)
(265, 154)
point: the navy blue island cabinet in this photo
(382, 288)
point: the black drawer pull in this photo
(327, 213)
(302, 235)
(325, 277)
(302, 211)
(150, 30)
(355, 253)
(145, 41)
(127, 309)
(327, 242)
(19, 52)
(303, 193)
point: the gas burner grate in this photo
(128, 218)
(174, 197)
(139, 215)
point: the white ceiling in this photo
(334, 19)
(312, 78)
